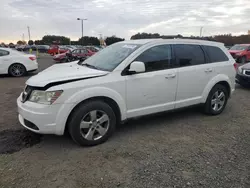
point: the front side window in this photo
(215, 54)
(157, 58)
(110, 57)
(4, 53)
(189, 54)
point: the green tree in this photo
(39, 42)
(145, 36)
(53, 39)
(112, 40)
(20, 42)
(89, 41)
(30, 42)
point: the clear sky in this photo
(122, 18)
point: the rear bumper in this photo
(32, 66)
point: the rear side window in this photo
(215, 54)
(157, 58)
(4, 53)
(189, 54)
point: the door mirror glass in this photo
(137, 67)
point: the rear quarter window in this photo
(215, 54)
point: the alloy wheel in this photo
(218, 100)
(94, 125)
(17, 70)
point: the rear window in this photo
(215, 54)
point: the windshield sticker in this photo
(129, 46)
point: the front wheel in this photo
(216, 100)
(92, 123)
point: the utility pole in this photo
(23, 37)
(28, 32)
(82, 19)
(201, 31)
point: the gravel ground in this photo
(177, 149)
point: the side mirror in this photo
(136, 67)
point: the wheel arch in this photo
(111, 102)
(14, 64)
(219, 79)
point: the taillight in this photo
(236, 66)
(32, 58)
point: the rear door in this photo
(193, 74)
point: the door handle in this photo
(209, 70)
(170, 76)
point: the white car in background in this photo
(16, 63)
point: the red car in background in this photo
(54, 49)
(240, 52)
(74, 55)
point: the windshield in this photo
(109, 58)
(238, 47)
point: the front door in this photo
(155, 89)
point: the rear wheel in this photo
(92, 123)
(17, 70)
(216, 100)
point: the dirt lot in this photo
(177, 149)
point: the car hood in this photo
(63, 72)
(235, 51)
(246, 66)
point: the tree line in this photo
(227, 39)
(62, 40)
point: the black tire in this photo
(81, 112)
(20, 67)
(208, 109)
(243, 60)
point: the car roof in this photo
(174, 41)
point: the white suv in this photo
(126, 80)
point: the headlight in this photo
(240, 70)
(44, 97)
(238, 54)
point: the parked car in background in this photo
(240, 52)
(126, 80)
(243, 75)
(42, 48)
(20, 47)
(26, 48)
(16, 63)
(92, 48)
(53, 50)
(60, 58)
(74, 55)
